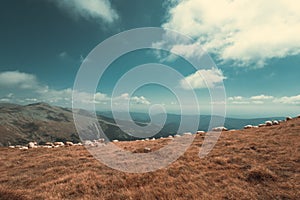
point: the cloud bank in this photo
(248, 33)
(25, 88)
(263, 99)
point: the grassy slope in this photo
(259, 163)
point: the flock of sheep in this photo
(101, 141)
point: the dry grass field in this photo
(261, 163)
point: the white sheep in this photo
(101, 140)
(248, 127)
(59, 144)
(32, 145)
(268, 123)
(170, 137)
(147, 139)
(288, 118)
(153, 139)
(221, 128)
(177, 136)
(200, 132)
(49, 144)
(261, 125)
(147, 150)
(69, 143)
(275, 122)
(46, 147)
(23, 148)
(11, 147)
(187, 133)
(115, 141)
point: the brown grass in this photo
(259, 163)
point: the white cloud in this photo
(246, 32)
(18, 79)
(35, 91)
(89, 9)
(202, 79)
(288, 100)
(140, 100)
(236, 98)
(262, 97)
(135, 99)
(259, 99)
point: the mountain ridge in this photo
(42, 122)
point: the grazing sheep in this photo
(187, 134)
(23, 148)
(268, 123)
(298, 116)
(114, 141)
(170, 137)
(69, 143)
(147, 150)
(32, 145)
(200, 132)
(288, 118)
(147, 139)
(11, 147)
(177, 136)
(46, 147)
(153, 139)
(255, 127)
(101, 140)
(248, 127)
(221, 128)
(49, 144)
(261, 125)
(87, 142)
(59, 144)
(275, 122)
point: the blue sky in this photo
(254, 44)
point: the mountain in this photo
(42, 123)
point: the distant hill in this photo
(42, 122)
(173, 120)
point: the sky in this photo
(254, 46)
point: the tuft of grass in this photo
(9, 194)
(260, 174)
